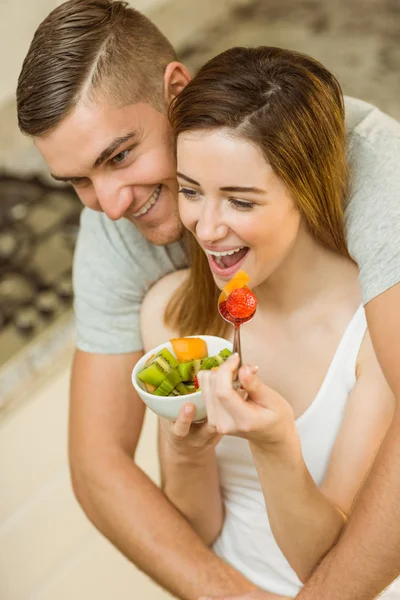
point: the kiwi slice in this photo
(182, 389)
(170, 382)
(157, 370)
(215, 361)
(174, 393)
(189, 369)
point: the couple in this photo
(94, 92)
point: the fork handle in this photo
(237, 348)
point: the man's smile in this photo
(150, 202)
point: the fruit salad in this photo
(175, 374)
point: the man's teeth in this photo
(228, 252)
(153, 199)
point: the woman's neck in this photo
(310, 274)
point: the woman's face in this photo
(240, 212)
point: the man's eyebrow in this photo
(235, 188)
(102, 158)
(66, 179)
(112, 147)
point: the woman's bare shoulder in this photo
(154, 330)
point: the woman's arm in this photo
(366, 558)
(191, 483)
(306, 521)
(187, 452)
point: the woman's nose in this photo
(210, 226)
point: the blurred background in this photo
(48, 549)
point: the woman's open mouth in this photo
(225, 264)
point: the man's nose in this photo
(113, 201)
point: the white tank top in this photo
(246, 540)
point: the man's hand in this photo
(255, 595)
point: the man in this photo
(93, 92)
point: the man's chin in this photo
(163, 234)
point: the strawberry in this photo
(241, 303)
(196, 382)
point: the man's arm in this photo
(367, 557)
(106, 418)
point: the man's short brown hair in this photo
(90, 49)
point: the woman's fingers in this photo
(204, 379)
(223, 385)
(182, 425)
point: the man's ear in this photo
(176, 77)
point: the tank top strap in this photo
(355, 335)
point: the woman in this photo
(262, 171)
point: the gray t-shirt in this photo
(115, 266)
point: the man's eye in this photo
(119, 158)
(189, 193)
(79, 181)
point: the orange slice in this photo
(149, 387)
(189, 348)
(239, 280)
(149, 359)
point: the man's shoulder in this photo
(115, 235)
(373, 151)
(119, 244)
(373, 210)
(367, 124)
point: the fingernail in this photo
(249, 370)
(188, 409)
(246, 371)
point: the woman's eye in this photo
(119, 158)
(242, 204)
(189, 193)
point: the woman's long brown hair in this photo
(289, 106)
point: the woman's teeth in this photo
(153, 199)
(227, 253)
(222, 260)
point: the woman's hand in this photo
(264, 417)
(187, 437)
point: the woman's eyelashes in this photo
(191, 194)
(242, 204)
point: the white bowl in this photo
(169, 406)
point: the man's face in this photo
(120, 161)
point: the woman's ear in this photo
(176, 77)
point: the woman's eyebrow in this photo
(236, 188)
(186, 178)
